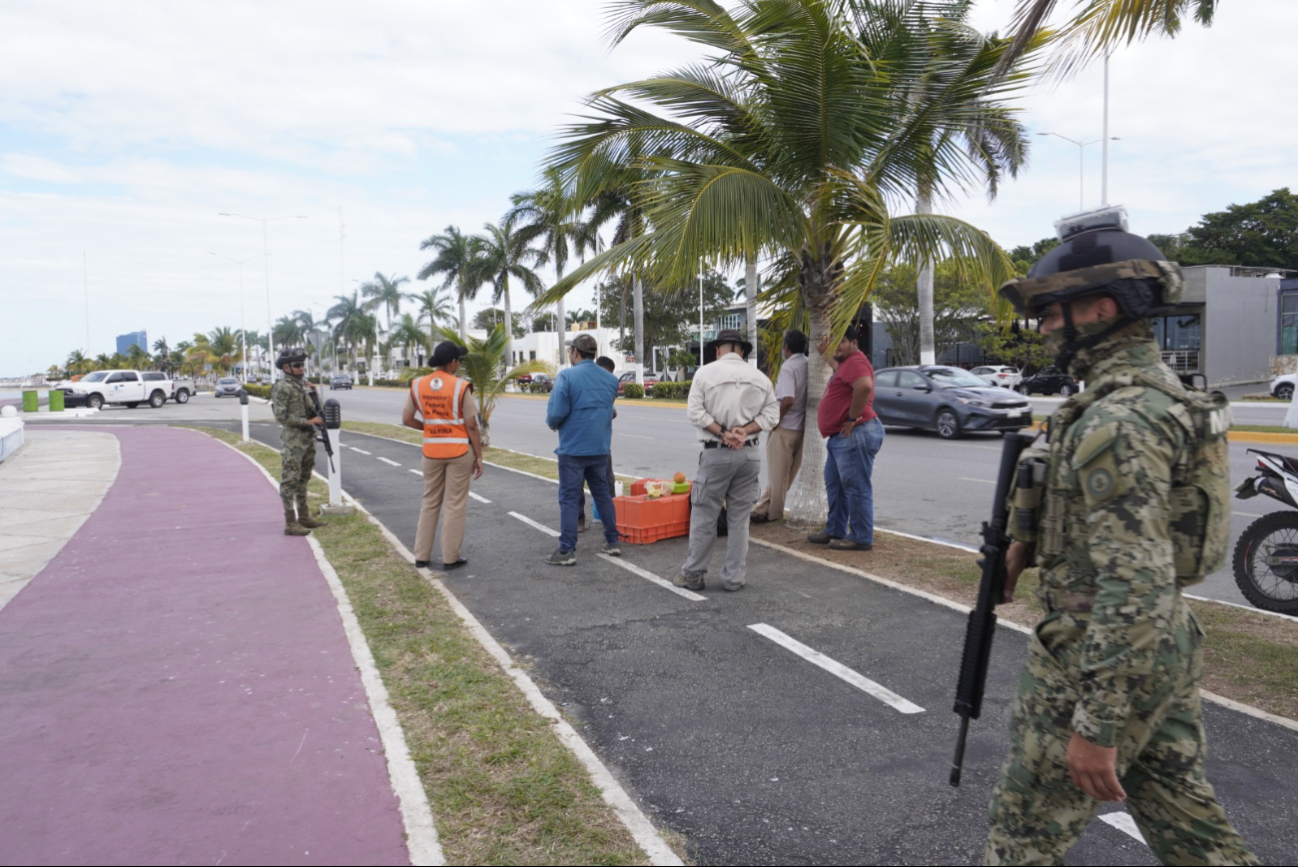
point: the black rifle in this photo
(321, 434)
(982, 620)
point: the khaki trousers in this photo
(446, 489)
(783, 460)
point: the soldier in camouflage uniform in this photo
(290, 399)
(1108, 704)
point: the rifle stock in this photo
(981, 627)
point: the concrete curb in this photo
(1244, 436)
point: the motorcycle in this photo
(1266, 555)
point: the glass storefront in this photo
(1288, 323)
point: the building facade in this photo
(135, 338)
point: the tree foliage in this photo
(670, 317)
(958, 305)
(1262, 234)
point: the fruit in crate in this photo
(655, 488)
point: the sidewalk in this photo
(178, 685)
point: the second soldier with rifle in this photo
(294, 401)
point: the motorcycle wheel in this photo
(1266, 563)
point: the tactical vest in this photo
(438, 398)
(1199, 503)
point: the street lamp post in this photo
(265, 245)
(243, 327)
(1081, 163)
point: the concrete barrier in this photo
(11, 436)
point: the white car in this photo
(1283, 386)
(998, 374)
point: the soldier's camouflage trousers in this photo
(1037, 813)
(297, 459)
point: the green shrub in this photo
(262, 391)
(671, 390)
(633, 390)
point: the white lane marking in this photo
(531, 523)
(1123, 822)
(636, 436)
(390, 463)
(984, 481)
(418, 473)
(649, 576)
(1246, 514)
(815, 657)
(479, 497)
(360, 451)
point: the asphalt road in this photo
(923, 485)
(743, 746)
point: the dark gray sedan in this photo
(948, 400)
(227, 386)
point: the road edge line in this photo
(422, 842)
(633, 818)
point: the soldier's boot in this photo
(291, 525)
(304, 516)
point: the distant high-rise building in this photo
(135, 338)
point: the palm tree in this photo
(77, 363)
(348, 316)
(138, 357)
(384, 292)
(484, 366)
(1100, 26)
(164, 351)
(224, 347)
(406, 333)
(434, 308)
(546, 215)
(954, 123)
(456, 258)
(504, 254)
(786, 141)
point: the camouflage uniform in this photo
(1118, 657)
(291, 403)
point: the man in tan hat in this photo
(730, 403)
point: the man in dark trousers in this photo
(581, 410)
(607, 363)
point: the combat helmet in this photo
(1097, 255)
(290, 355)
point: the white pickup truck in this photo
(129, 387)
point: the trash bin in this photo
(31, 402)
(56, 400)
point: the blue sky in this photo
(125, 128)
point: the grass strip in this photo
(503, 789)
(1263, 428)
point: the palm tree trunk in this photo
(924, 290)
(807, 503)
(638, 305)
(750, 291)
(509, 329)
(562, 324)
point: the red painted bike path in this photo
(176, 686)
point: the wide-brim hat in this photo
(446, 352)
(729, 336)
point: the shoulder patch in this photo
(1094, 443)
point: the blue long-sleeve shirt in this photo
(581, 409)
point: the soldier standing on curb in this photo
(1133, 483)
(290, 400)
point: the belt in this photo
(1070, 600)
(713, 444)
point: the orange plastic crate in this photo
(642, 520)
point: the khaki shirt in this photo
(731, 392)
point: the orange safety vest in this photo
(437, 404)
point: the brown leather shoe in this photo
(755, 518)
(849, 545)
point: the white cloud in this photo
(125, 127)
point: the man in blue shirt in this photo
(581, 410)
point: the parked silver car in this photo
(948, 400)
